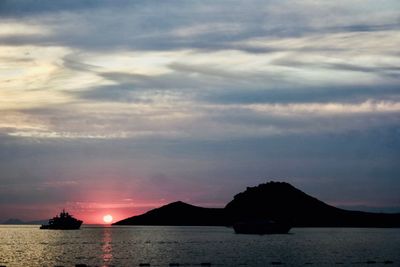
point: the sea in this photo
(27, 245)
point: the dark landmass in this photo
(37, 222)
(13, 221)
(18, 221)
(178, 213)
(282, 201)
(274, 200)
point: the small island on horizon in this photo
(279, 201)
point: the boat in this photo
(64, 221)
(261, 227)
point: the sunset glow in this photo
(107, 218)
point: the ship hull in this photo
(74, 226)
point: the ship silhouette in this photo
(64, 221)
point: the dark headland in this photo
(274, 200)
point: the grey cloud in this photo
(367, 27)
(34, 193)
(156, 25)
(233, 76)
(384, 70)
(209, 83)
(114, 93)
(74, 64)
(323, 94)
(298, 124)
(122, 77)
(214, 85)
(13, 8)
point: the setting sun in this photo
(107, 218)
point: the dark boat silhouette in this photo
(64, 221)
(261, 227)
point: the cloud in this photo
(13, 8)
(157, 25)
(343, 94)
(180, 97)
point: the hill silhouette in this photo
(178, 213)
(282, 201)
(274, 200)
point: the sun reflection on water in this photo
(106, 246)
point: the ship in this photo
(261, 227)
(64, 221)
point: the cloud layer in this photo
(193, 94)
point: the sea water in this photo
(197, 246)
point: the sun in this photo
(107, 218)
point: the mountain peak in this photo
(277, 200)
(178, 204)
(272, 185)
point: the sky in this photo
(118, 107)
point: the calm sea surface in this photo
(191, 246)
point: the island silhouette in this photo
(278, 201)
(17, 221)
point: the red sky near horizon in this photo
(90, 213)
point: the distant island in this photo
(278, 201)
(18, 221)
